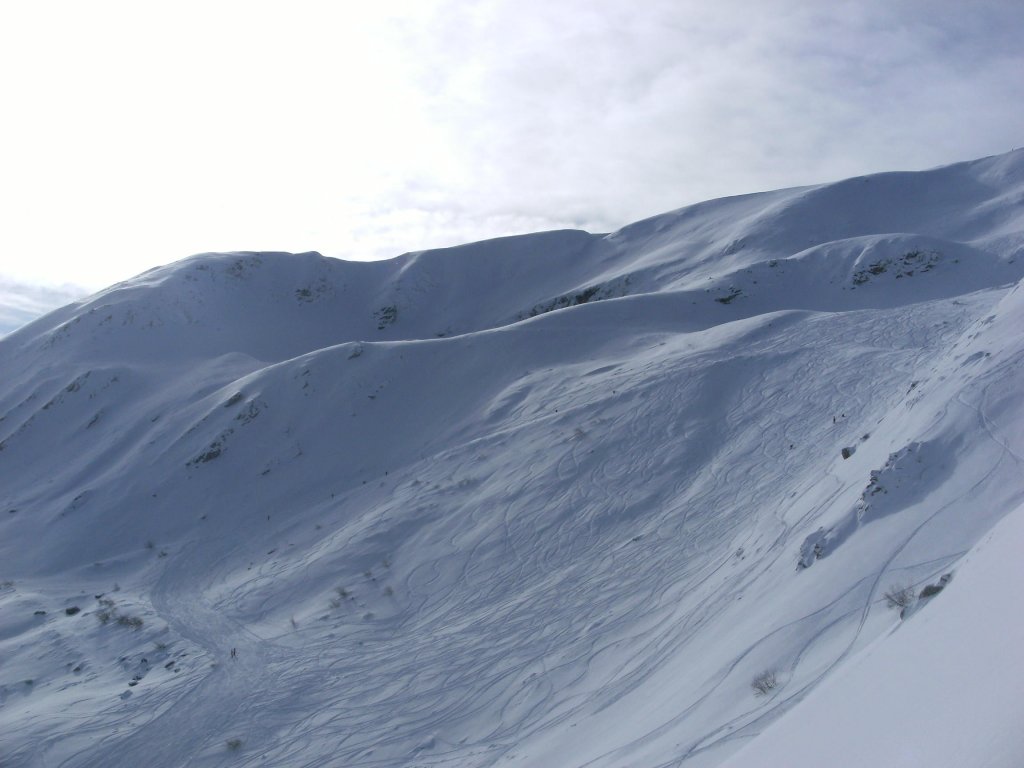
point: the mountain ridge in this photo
(552, 499)
(316, 278)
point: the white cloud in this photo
(139, 135)
(20, 304)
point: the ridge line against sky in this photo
(139, 135)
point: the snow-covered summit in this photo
(965, 212)
(555, 499)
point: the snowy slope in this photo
(547, 500)
(942, 691)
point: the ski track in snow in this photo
(260, 659)
(571, 539)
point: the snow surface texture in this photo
(554, 500)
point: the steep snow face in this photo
(548, 500)
(939, 692)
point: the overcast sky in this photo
(134, 133)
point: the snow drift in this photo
(548, 500)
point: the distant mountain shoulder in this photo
(21, 304)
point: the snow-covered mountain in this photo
(551, 500)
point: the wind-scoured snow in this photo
(552, 500)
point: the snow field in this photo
(570, 538)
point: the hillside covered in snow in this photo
(741, 484)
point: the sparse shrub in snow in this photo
(108, 611)
(234, 744)
(386, 316)
(899, 596)
(733, 293)
(764, 682)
